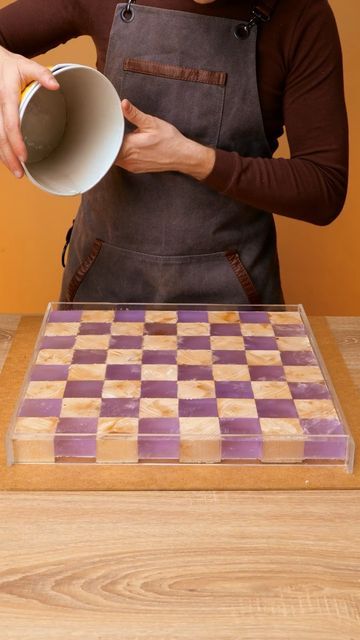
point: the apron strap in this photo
(266, 8)
(261, 13)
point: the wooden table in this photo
(189, 565)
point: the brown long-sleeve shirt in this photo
(300, 80)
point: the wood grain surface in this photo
(182, 565)
(175, 566)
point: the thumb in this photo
(134, 115)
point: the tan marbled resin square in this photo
(193, 329)
(236, 408)
(298, 343)
(27, 450)
(36, 426)
(159, 407)
(285, 317)
(121, 389)
(254, 329)
(124, 356)
(263, 358)
(272, 390)
(193, 389)
(80, 408)
(127, 328)
(224, 343)
(231, 372)
(159, 372)
(303, 374)
(97, 316)
(161, 343)
(45, 389)
(319, 409)
(283, 440)
(118, 426)
(194, 356)
(223, 316)
(200, 440)
(62, 328)
(87, 372)
(55, 356)
(114, 450)
(92, 342)
(168, 317)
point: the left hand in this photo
(157, 146)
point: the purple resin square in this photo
(65, 316)
(159, 425)
(298, 358)
(193, 316)
(159, 357)
(260, 342)
(160, 329)
(77, 425)
(194, 342)
(49, 372)
(123, 372)
(276, 409)
(130, 315)
(158, 389)
(322, 426)
(95, 328)
(325, 439)
(240, 426)
(309, 390)
(203, 407)
(234, 390)
(289, 330)
(119, 408)
(126, 342)
(228, 329)
(83, 389)
(89, 356)
(229, 357)
(194, 372)
(256, 317)
(49, 408)
(159, 447)
(57, 342)
(264, 373)
(241, 448)
(75, 446)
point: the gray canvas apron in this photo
(165, 237)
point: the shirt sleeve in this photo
(312, 184)
(32, 27)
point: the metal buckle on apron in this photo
(242, 31)
(127, 13)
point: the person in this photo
(207, 87)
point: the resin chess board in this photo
(118, 385)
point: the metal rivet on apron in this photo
(127, 13)
(242, 31)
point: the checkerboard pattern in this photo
(129, 386)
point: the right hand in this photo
(16, 72)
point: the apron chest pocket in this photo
(190, 99)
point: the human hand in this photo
(16, 72)
(157, 146)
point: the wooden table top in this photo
(181, 565)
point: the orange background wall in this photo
(320, 266)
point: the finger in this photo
(11, 122)
(31, 71)
(134, 115)
(7, 154)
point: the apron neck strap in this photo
(261, 13)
